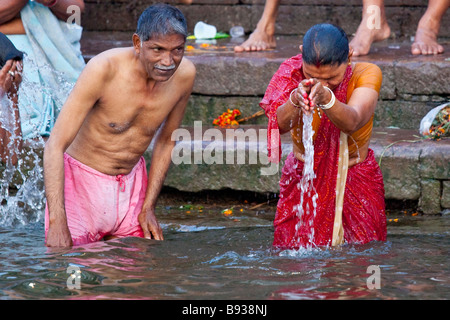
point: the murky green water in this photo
(210, 256)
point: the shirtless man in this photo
(95, 176)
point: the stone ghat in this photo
(294, 16)
(413, 169)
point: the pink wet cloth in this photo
(98, 205)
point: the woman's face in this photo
(329, 75)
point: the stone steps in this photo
(413, 169)
(294, 17)
(411, 87)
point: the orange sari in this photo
(361, 217)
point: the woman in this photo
(43, 29)
(348, 198)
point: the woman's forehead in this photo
(328, 69)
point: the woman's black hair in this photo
(325, 44)
(161, 19)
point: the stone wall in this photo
(294, 16)
(411, 85)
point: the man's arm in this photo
(162, 156)
(83, 97)
(10, 9)
(8, 87)
(60, 8)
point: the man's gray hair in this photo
(159, 20)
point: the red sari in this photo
(363, 212)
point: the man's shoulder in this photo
(188, 68)
(108, 62)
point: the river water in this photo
(207, 255)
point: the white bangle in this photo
(290, 99)
(329, 104)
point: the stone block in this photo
(387, 91)
(233, 76)
(236, 160)
(445, 198)
(399, 165)
(401, 114)
(429, 74)
(429, 203)
(435, 160)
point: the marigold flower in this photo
(227, 118)
(227, 212)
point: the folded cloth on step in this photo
(8, 51)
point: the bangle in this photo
(290, 99)
(329, 104)
(52, 4)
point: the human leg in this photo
(373, 27)
(364, 217)
(263, 37)
(130, 201)
(91, 201)
(425, 41)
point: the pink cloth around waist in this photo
(98, 205)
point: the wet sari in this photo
(350, 205)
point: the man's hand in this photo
(6, 78)
(58, 235)
(10, 77)
(150, 225)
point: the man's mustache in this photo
(165, 68)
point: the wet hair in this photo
(325, 44)
(160, 20)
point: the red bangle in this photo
(52, 4)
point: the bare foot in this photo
(365, 36)
(425, 41)
(258, 41)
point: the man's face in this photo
(161, 55)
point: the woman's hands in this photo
(310, 94)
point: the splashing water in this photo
(22, 196)
(307, 189)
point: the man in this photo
(94, 173)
